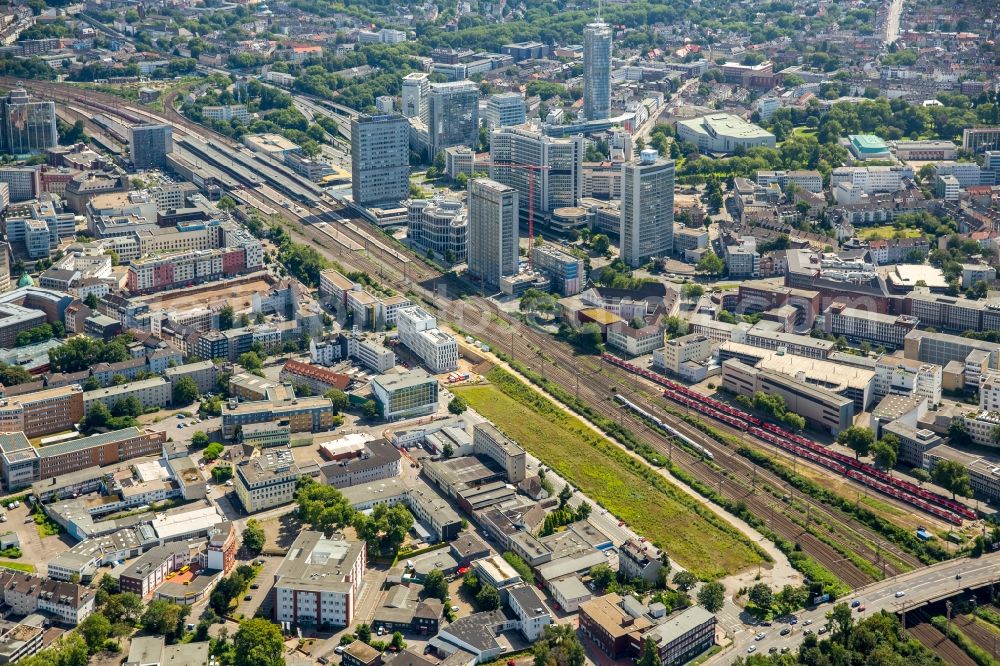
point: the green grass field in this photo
(17, 566)
(886, 232)
(691, 534)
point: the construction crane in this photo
(531, 169)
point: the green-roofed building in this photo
(868, 147)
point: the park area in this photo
(692, 535)
(888, 232)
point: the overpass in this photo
(919, 588)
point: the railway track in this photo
(411, 274)
(983, 636)
(938, 643)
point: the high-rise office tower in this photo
(380, 159)
(493, 234)
(28, 127)
(416, 94)
(454, 115)
(597, 70)
(558, 172)
(647, 208)
(505, 110)
(150, 145)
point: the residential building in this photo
(973, 273)
(947, 187)
(723, 133)
(226, 113)
(380, 159)
(26, 126)
(149, 145)
(453, 115)
(152, 392)
(66, 603)
(318, 379)
(525, 602)
(493, 231)
(403, 396)
(266, 480)
(159, 272)
(872, 179)
(807, 180)
(419, 332)
(597, 70)
(319, 581)
(550, 169)
(640, 559)
(440, 225)
(505, 110)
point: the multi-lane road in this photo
(898, 594)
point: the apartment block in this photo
(43, 412)
(153, 392)
(319, 581)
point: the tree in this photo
(602, 576)
(685, 580)
(91, 384)
(95, 630)
(840, 620)
(253, 537)
(692, 291)
(339, 399)
(185, 391)
(250, 361)
(886, 451)
(397, 641)
(488, 598)
(324, 507)
(565, 495)
(921, 475)
(760, 595)
(199, 440)
(435, 585)
(953, 476)
(587, 338)
(259, 643)
(601, 243)
(91, 301)
(857, 438)
(558, 646)
(711, 263)
(385, 528)
(457, 405)
(363, 632)
(226, 318)
(650, 653)
(212, 451)
(164, 618)
(712, 596)
(370, 410)
(125, 607)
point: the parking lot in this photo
(37, 551)
(260, 598)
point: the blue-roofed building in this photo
(868, 147)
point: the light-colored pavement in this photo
(930, 583)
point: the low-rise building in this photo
(375, 461)
(640, 559)
(318, 379)
(867, 326)
(152, 392)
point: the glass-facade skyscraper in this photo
(27, 127)
(597, 70)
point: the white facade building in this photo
(419, 332)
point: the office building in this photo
(319, 581)
(146, 573)
(723, 133)
(676, 354)
(459, 160)
(866, 326)
(23, 183)
(597, 71)
(416, 95)
(152, 392)
(505, 110)
(266, 480)
(565, 271)
(493, 231)
(453, 115)
(872, 179)
(226, 113)
(490, 442)
(980, 139)
(946, 187)
(403, 396)
(380, 159)
(439, 225)
(974, 356)
(807, 180)
(43, 412)
(305, 414)
(26, 126)
(550, 168)
(418, 331)
(150, 145)
(647, 226)
(903, 376)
